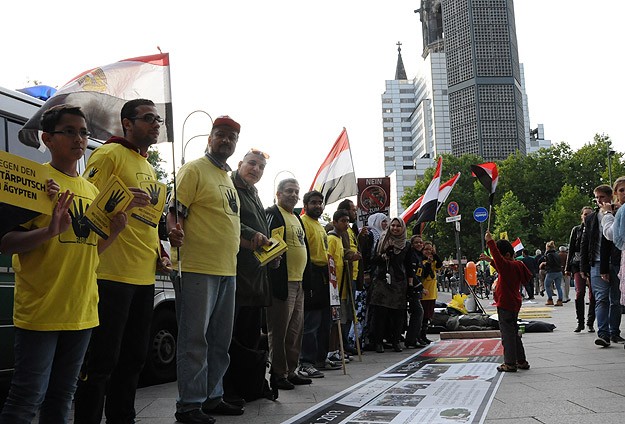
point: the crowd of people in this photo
(83, 305)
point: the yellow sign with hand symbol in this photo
(152, 213)
(115, 197)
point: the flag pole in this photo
(490, 212)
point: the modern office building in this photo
(468, 95)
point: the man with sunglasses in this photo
(119, 346)
(207, 207)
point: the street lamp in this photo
(184, 147)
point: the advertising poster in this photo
(450, 381)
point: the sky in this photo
(293, 73)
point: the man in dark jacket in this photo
(285, 317)
(252, 292)
(532, 265)
(600, 260)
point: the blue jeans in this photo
(47, 364)
(607, 302)
(316, 337)
(205, 315)
(556, 278)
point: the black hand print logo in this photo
(80, 227)
(154, 193)
(232, 201)
(116, 197)
(92, 172)
(299, 232)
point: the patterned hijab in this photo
(387, 239)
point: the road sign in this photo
(453, 218)
(480, 214)
(453, 209)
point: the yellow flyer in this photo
(152, 213)
(23, 183)
(115, 197)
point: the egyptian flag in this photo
(335, 178)
(101, 93)
(408, 215)
(427, 210)
(488, 176)
(517, 245)
(445, 189)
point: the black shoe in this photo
(195, 416)
(379, 348)
(542, 293)
(397, 348)
(617, 339)
(566, 301)
(298, 380)
(591, 329)
(579, 328)
(234, 400)
(531, 298)
(224, 408)
(282, 383)
(423, 342)
(602, 341)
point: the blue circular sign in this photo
(480, 214)
(453, 209)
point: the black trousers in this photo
(116, 355)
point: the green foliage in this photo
(539, 196)
(155, 159)
(563, 215)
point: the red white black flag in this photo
(101, 92)
(488, 176)
(429, 204)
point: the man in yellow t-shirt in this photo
(55, 260)
(285, 317)
(119, 345)
(207, 209)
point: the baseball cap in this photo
(227, 121)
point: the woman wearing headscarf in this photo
(391, 273)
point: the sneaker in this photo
(336, 356)
(309, 371)
(617, 339)
(328, 365)
(602, 341)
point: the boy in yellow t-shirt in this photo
(56, 297)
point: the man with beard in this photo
(207, 209)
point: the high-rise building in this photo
(468, 95)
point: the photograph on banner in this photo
(152, 213)
(23, 183)
(114, 198)
(373, 197)
(426, 387)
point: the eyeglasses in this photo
(148, 118)
(259, 153)
(70, 132)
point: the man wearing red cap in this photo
(207, 208)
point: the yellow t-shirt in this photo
(335, 249)
(317, 241)
(353, 246)
(296, 254)
(131, 258)
(212, 228)
(430, 283)
(55, 283)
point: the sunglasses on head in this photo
(259, 153)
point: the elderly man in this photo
(207, 209)
(285, 317)
(252, 293)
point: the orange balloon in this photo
(470, 273)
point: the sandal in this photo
(523, 365)
(506, 368)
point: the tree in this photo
(563, 215)
(155, 159)
(511, 216)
